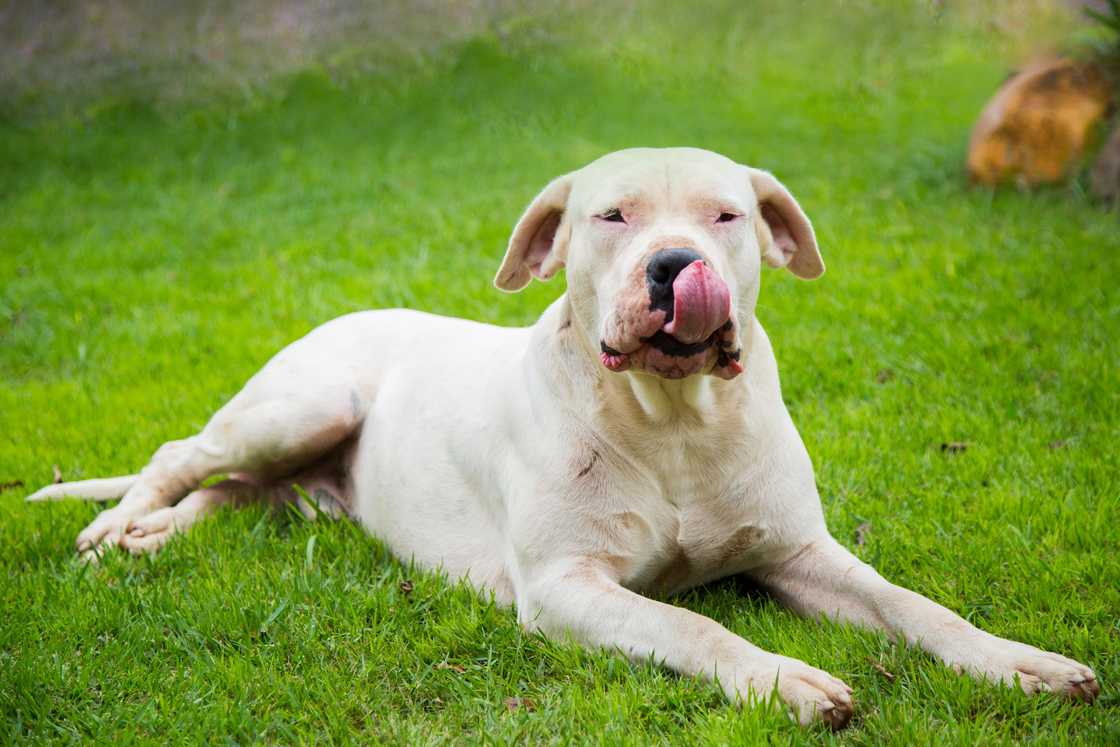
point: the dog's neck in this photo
(570, 360)
(663, 400)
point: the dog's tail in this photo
(103, 489)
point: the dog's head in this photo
(663, 249)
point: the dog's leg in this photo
(262, 437)
(825, 579)
(152, 531)
(581, 599)
(324, 496)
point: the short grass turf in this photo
(151, 261)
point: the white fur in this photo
(512, 457)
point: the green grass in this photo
(151, 259)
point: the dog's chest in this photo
(693, 531)
(703, 549)
(692, 499)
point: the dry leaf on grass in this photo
(881, 670)
(861, 533)
(512, 704)
(10, 484)
(453, 667)
(954, 447)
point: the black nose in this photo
(664, 267)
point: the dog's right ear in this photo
(539, 244)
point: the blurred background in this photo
(169, 51)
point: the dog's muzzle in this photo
(686, 323)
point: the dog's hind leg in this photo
(305, 402)
(261, 436)
(152, 531)
(321, 491)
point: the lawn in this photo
(153, 256)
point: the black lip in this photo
(669, 345)
(608, 349)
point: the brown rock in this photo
(1106, 171)
(1037, 125)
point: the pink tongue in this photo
(701, 303)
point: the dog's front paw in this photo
(812, 695)
(1041, 671)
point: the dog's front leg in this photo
(580, 598)
(825, 579)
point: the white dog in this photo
(634, 439)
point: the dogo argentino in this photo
(633, 440)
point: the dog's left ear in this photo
(785, 233)
(539, 244)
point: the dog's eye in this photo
(726, 217)
(614, 215)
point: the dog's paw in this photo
(104, 532)
(811, 694)
(814, 695)
(1040, 671)
(151, 532)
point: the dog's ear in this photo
(784, 233)
(539, 244)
